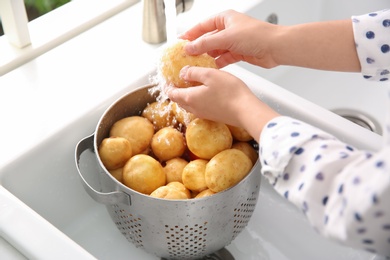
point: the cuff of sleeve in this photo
(281, 139)
(373, 44)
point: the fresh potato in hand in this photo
(143, 173)
(174, 58)
(226, 169)
(174, 169)
(206, 138)
(137, 129)
(114, 152)
(194, 175)
(168, 143)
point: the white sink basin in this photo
(44, 211)
(45, 178)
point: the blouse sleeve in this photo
(372, 38)
(344, 192)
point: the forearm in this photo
(322, 45)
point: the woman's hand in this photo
(231, 37)
(222, 98)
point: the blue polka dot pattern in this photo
(299, 151)
(385, 48)
(370, 35)
(341, 188)
(294, 134)
(331, 182)
(379, 164)
(370, 60)
(325, 200)
(358, 217)
(372, 43)
(319, 176)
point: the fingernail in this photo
(183, 71)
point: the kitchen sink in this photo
(45, 213)
(46, 180)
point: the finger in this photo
(214, 23)
(180, 96)
(216, 53)
(226, 58)
(195, 74)
(208, 43)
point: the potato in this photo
(248, 150)
(180, 186)
(194, 175)
(174, 58)
(165, 192)
(137, 129)
(204, 194)
(174, 169)
(181, 115)
(194, 194)
(114, 152)
(143, 173)
(206, 138)
(160, 114)
(226, 169)
(168, 143)
(117, 174)
(240, 134)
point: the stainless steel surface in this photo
(154, 20)
(172, 229)
(222, 254)
(360, 119)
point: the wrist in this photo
(256, 116)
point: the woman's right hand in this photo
(231, 37)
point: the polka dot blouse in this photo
(372, 39)
(343, 191)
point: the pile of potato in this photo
(166, 152)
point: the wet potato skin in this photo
(174, 58)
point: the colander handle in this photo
(89, 164)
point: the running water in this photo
(171, 24)
(171, 30)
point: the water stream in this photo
(171, 23)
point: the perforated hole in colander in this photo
(129, 225)
(187, 241)
(243, 213)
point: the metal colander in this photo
(171, 229)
